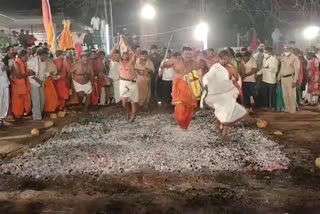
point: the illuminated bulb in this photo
(201, 31)
(148, 12)
(311, 32)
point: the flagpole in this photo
(111, 22)
(107, 28)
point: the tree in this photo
(262, 15)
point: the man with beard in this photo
(185, 103)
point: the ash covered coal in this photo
(110, 145)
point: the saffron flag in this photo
(254, 42)
(48, 24)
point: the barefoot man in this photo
(61, 83)
(20, 86)
(184, 102)
(4, 93)
(82, 78)
(144, 68)
(221, 94)
(128, 83)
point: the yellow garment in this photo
(66, 39)
(194, 82)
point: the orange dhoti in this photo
(51, 101)
(184, 102)
(62, 89)
(21, 102)
(20, 93)
(95, 96)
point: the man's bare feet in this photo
(224, 135)
(132, 118)
(10, 119)
(6, 123)
(85, 109)
(128, 116)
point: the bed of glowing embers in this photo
(102, 145)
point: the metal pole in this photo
(111, 22)
(106, 11)
(106, 27)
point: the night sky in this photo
(20, 4)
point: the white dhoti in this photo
(4, 102)
(86, 88)
(221, 95)
(227, 110)
(129, 89)
(116, 90)
(38, 101)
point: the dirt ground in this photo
(293, 191)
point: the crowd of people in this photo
(23, 38)
(33, 82)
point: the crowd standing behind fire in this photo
(33, 81)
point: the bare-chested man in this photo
(128, 83)
(184, 102)
(82, 78)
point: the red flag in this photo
(254, 42)
(48, 23)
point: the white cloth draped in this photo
(129, 90)
(4, 80)
(222, 95)
(86, 88)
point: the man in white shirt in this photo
(37, 64)
(95, 22)
(259, 55)
(114, 74)
(166, 83)
(4, 93)
(269, 79)
(249, 80)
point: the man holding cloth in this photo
(269, 79)
(37, 64)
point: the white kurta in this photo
(222, 95)
(114, 74)
(4, 92)
(37, 90)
